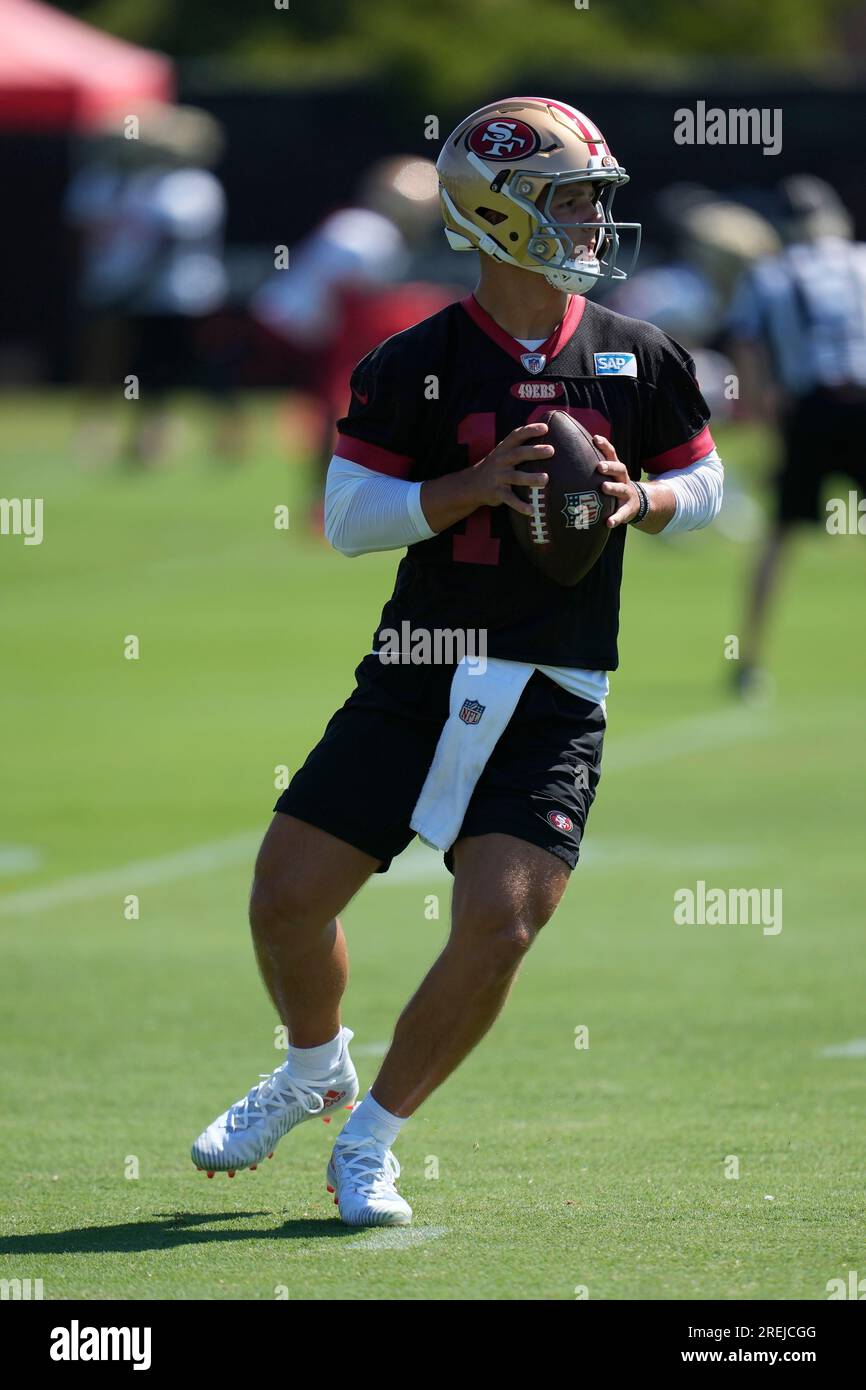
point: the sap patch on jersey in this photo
(615, 364)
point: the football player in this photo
(498, 768)
(799, 343)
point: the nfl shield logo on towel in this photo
(471, 711)
(533, 361)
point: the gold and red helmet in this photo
(499, 173)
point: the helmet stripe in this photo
(588, 129)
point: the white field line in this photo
(419, 864)
(698, 734)
(398, 1237)
(855, 1048)
(17, 859)
(129, 878)
(370, 1049)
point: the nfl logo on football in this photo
(581, 510)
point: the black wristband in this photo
(644, 504)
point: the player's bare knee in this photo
(504, 950)
(280, 903)
(511, 942)
(493, 941)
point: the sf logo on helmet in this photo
(503, 139)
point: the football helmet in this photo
(499, 173)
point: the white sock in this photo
(316, 1063)
(369, 1120)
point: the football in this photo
(566, 533)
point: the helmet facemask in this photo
(551, 249)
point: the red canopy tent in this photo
(59, 74)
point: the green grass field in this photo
(559, 1168)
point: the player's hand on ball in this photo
(618, 484)
(497, 474)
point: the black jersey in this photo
(438, 397)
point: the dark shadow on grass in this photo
(168, 1231)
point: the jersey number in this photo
(477, 545)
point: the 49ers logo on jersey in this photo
(560, 821)
(537, 390)
(503, 139)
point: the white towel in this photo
(480, 707)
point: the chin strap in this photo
(574, 281)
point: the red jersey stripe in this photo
(682, 455)
(373, 456)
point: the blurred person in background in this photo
(151, 217)
(359, 277)
(798, 334)
(106, 261)
(713, 241)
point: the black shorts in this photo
(823, 434)
(362, 780)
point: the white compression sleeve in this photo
(365, 510)
(698, 491)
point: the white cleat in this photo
(361, 1174)
(249, 1130)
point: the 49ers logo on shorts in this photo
(560, 821)
(502, 138)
